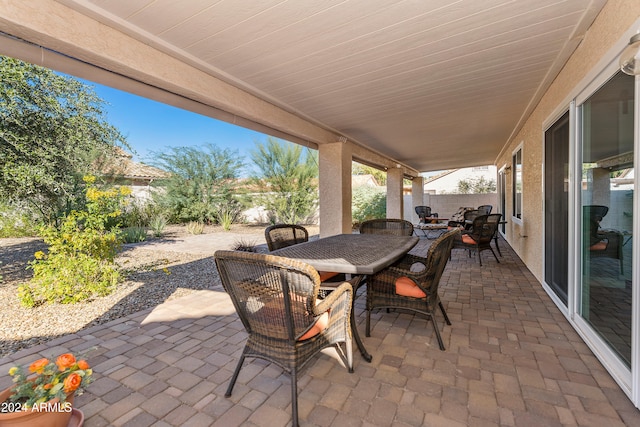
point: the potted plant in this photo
(43, 396)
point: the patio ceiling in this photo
(432, 84)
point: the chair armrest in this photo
(344, 290)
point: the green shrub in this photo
(157, 224)
(368, 203)
(195, 227)
(225, 218)
(14, 222)
(80, 263)
(133, 234)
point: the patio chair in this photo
(457, 219)
(602, 243)
(282, 235)
(479, 236)
(412, 283)
(484, 209)
(424, 214)
(391, 226)
(275, 298)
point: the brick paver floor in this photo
(512, 359)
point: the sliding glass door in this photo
(606, 142)
(556, 207)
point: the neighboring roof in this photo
(361, 180)
(124, 166)
(440, 175)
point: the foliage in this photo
(368, 203)
(479, 185)
(140, 214)
(133, 234)
(290, 178)
(360, 169)
(157, 224)
(80, 260)
(15, 221)
(52, 129)
(195, 227)
(201, 180)
(51, 380)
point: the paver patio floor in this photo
(512, 359)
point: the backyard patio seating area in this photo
(511, 359)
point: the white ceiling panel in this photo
(414, 79)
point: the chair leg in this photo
(444, 313)
(479, 257)
(435, 328)
(494, 254)
(235, 376)
(294, 398)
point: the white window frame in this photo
(514, 173)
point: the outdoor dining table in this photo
(355, 254)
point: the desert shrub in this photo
(79, 263)
(157, 224)
(368, 203)
(16, 222)
(244, 246)
(133, 234)
(195, 227)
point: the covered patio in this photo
(512, 360)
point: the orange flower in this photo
(65, 361)
(72, 382)
(82, 364)
(39, 365)
(47, 386)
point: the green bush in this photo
(79, 263)
(133, 234)
(14, 222)
(157, 224)
(368, 203)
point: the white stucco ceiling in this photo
(435, 84)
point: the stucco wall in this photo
(614, 20)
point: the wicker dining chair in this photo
(412, 283)
(275, 298)
(479, 236)
(424, 213)
(280, 236)
(390, 226)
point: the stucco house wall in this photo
(607, 29)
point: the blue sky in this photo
(152, 126)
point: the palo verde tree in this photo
(290, 179)
(200, 184)
(52, 128)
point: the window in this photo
(517, 183)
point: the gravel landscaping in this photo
(154, 276)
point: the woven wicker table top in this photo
(351, 253)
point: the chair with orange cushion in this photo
(276, 300)
(412, 283)
(479, 236)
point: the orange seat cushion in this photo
(468, 239)
(600, 246)
(326, 275)
(320, 325)
(408, 288)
